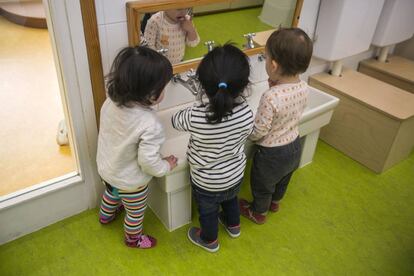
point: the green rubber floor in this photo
(338, 218)
(238, 23)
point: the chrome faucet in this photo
(162, 51)
(191, 83)
(250, 42)
(261, 57)
(210, 45)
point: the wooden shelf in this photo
(397, 71)
(374, 121)
(371, 92)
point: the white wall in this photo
(112, 27)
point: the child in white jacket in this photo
(130, 138)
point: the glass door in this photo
(35, 133)
(48, 125)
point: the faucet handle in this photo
(191, 73)
(249, 35)
(250, 42)
(176, 77)
(210, 45)
(261, 57)
(162, 51)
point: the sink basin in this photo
(317, 114)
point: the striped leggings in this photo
(135, 203)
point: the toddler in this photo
(130, 138)
(219, 130)
(278, 148)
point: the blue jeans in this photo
(208, 207)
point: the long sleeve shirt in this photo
(277, 118)
(215, 151)
(129, 142)
(160, 33)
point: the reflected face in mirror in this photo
(170, 32)
(176, 16)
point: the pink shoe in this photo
(140, 241)
(117, 212)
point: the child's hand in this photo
(187, 24)
(172, 161)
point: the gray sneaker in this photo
(233, 231)
(194, 236)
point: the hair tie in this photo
(222, 85)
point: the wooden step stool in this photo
(374, 121)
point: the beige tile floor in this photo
(30, 110)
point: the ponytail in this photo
(223, 63)
(220, 106)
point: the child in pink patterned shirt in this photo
(276, 131)
(172, 30)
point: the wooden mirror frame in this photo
(134, 9)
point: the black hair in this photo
(138, 75)
(144, 21)
(291, 48)
(228, 66)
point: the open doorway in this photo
(34, 138)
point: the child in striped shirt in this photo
(219, 130)
(276, 131)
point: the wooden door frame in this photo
(90, 27)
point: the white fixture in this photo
(396, 23)
(345, 28)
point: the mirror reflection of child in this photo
(172, 30)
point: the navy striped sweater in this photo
(215, 151)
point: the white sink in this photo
(170, 196)
(316, 115)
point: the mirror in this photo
(167, 25)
